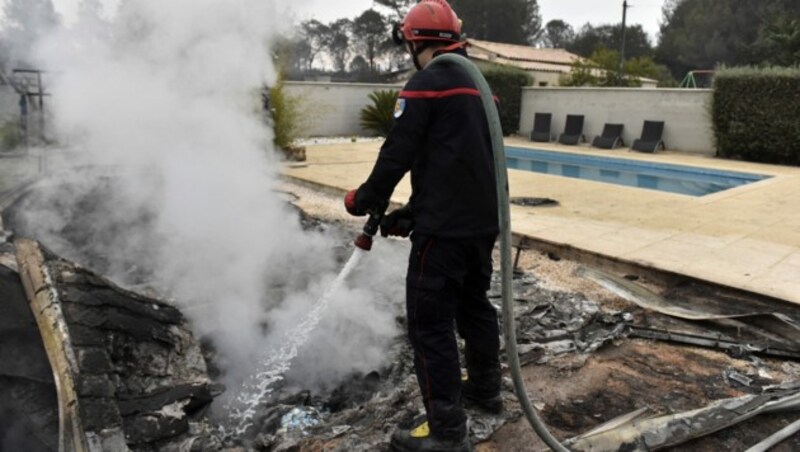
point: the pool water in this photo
(685, 180)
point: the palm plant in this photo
(379, 117)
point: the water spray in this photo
(243, 405)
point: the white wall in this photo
(332, 109)
(550, 78)
(684, 111)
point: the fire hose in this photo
(504, 214)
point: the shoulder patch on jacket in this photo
(399, 108)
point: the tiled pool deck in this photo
(746, 237)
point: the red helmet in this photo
(429, 20)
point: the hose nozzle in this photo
(364, 240)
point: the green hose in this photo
(504, 214)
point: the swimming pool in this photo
(685, 180)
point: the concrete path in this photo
(746, 237)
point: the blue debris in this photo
(300, 418)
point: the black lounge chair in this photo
(573, 130)
(610, 138)
(541, 127)
(651, 137)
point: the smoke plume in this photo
(163, 99)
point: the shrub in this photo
(506, 83)
(602, 69)
(288, 120)
(379, 117)
(10, 136)
(756, 114)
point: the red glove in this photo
(351, 204)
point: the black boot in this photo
(480, 398)
(419, 438)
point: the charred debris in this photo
(90, 365)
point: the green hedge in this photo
(756, 114)
(506, 84)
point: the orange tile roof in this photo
(516, 52)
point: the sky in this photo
(575, 12)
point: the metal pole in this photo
(43, 157)
(622, 46)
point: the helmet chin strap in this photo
(415, 53)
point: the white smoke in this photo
(167, 92)
(24, 22)
(358, 328)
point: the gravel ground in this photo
(337, 140)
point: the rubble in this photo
(130, 374)
(595, 361)
(661, 432)
(740, 325)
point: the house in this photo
(546, 66)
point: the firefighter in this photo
(442, 137)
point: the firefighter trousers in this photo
(446, 283)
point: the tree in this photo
(591, 38)
(359, 65)
(398, 7)
(26, 22)
(779, 41)
(290, 54)
(316, 35)
(602, 69)
(510, 21)
(701, 34)
(338, 43)
(558, 34)
(370, 33)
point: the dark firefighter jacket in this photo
(440, 135)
